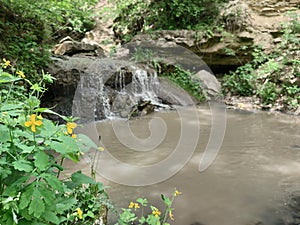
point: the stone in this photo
(209, 84)
(172, 94)
(68, 46)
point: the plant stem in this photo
(61, 162)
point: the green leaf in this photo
(167, 202)
(10, 107)
(65, 204)
(49, 129)
(142, 201)
(51, 217)
(20, 133)
(67, 145)
(22, 165)
(53, 182)
(4, 134)
(142, 220)
(151, 219)
(73, 156)
(7, 78)
(78, 178)
(90, 214)
(25, 148)
(25, 198)
(127, 217)
(37, 206)
(85, 143)
(32, 102)
(14, 186)
(48, 196)
(41, 160)
(5, 169)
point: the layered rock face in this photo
(247, 23)
(272, 7)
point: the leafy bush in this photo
(136, 212)
(268, 93)
(242, 82)
(27, 28)
(32, 152)
(185, 80)
(137, 15)
(273, 77)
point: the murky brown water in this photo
(250, 181)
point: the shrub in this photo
(272, 77)
(29, 27)
(136, 213)
(137, 15)
(185, 80)
(32, 152)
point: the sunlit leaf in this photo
(7, 78)
(80, 178)
(41, 160)
(22, 165)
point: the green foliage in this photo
(185, 80)
(27, 28)
(32, 152)
(241, 82)
(291, 31)
(137, 15)
(268, 93)
(137, 212)
(273, 77)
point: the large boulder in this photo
(172, 94)
(209, 84)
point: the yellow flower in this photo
(101, 149)
(156, 212)
(176, 193)
(70, 127)
(21, 74)
(6, 63)
(133, 205)
(33, 122)
(79, 211)
(73, 136)
(171, 215)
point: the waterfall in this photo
(143, 84)
(106, 91)
(89, 103)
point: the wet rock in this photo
(209, 84)
(142, 108)
(171, 94)
(89, 87)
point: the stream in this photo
(251, 181)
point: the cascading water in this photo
(143, 86)
(105, 93)
(88, 105)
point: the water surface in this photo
(250, 181)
